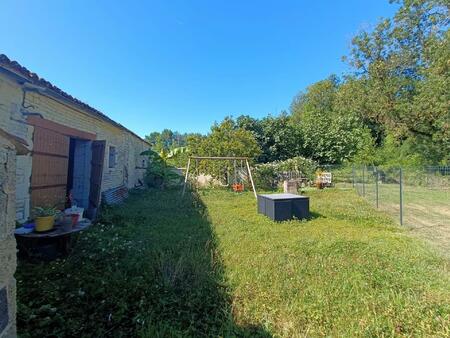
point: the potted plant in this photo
(44, 218)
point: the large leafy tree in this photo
(329, 135)
(277, 137)
(319, 98)
(399, 91)
(225, 139)
(167, 140)
(352, 98)
(401, 76)
(430, 109)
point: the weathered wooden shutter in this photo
(98, 157)
(50, 166)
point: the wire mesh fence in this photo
(381, 187)
(418, 198)
(342, 176)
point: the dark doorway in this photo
(79, 173)
(97, 160)
(69, 185)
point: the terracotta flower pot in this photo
(75, 218)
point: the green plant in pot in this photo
(44, 218)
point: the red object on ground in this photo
(238, 187)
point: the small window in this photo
(112, 157)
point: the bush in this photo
(269, 175)
(160, 173)
(266, 176)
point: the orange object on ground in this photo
(238, 187)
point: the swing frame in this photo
(219, 158)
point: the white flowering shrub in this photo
(269, 175)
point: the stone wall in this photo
(13, 119)
(7, 240)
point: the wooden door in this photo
(49, 168)
(98, 158)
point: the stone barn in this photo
(75, 150)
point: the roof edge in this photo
(17, 69)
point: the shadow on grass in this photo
(314, 215)
(194, 300)
(150, 268)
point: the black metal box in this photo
(282, 207)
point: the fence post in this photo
(376, 184)
(401, 196)
(353, 176)
(363, 183)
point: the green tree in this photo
(167, 140)
(319, 98)
(225, 139)
(430, 113)
(160, 173)
(329, 135)
(352, 97)
(277, 137)
(401, 77)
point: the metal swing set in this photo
(237, 186)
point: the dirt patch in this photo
(430, 222)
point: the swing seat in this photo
(238, 187)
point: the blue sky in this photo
(184, 64)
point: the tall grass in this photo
(208, 265)
(350, 271)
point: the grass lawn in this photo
(208, 265)
(426, 211)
